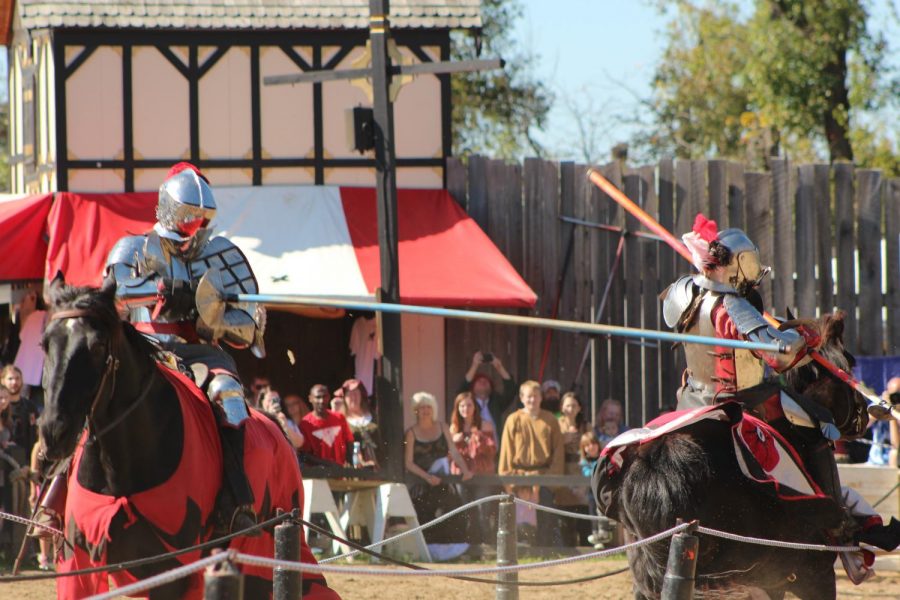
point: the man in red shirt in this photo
(326, 434)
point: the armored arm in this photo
(753, 326)
(135, 285)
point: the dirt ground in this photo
(618, 587)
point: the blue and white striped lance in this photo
(471, 315)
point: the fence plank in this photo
(698, 191)
(805, 242)
(717, 174)
(846, 247)
(685, 211)
(456, 180)
(869, 227)
(616, 302)
(892, 237)
(650, 296)
(582, 277)
(566, 342)
(736, 210)
(552, 260)
(598, 210)
(668, 357)
(477, 203)
(783, 238)
(633, 274)
(497, 339)
(759, 222)
(824, 237)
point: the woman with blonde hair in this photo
(429, 446)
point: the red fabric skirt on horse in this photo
(172, 508)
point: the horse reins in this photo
(109, 373)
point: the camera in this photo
(487, 357)
(895, 398)
(275, 401)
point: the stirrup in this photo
(44, 516)
(858, 565)
(882, 411)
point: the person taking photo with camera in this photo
(493, 405)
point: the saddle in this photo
(764, 456)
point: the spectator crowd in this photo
(495, 426)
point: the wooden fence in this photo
(830, 233)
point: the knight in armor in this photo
(722, 301)
(157, 276)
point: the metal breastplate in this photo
(140, 262)
(705, 363)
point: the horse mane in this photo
(100, 304)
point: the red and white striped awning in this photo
(310, 240)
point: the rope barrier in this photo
(320, 568)
(556, 511)
(122, 566)
(443, 517)
(323, 567)
(164, 578)
(775, 543)
(416, 567)
(24, 521)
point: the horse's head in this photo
(80, 333)
(816, 383)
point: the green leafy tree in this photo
(494, 111)
(792, 75)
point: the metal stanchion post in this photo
(223, 581)
(287, 583)
(507, 583)
(678, 584)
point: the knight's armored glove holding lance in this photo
(157, 276)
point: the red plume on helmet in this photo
(184, 166)
(698, 240)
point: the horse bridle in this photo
(109, 374)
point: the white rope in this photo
(163, 578)
(556, 511)
(441, 518)
(775, 543)
(320, 568)
(24, 521)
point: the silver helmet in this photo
(743, 271)
(186, 204)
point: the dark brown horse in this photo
(695, 475)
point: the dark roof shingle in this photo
(246, 14)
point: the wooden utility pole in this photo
(388, 384)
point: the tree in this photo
(494, 111)
(793, 76)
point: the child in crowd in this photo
(590, 452)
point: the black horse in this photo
(696, 475)
(147, 465)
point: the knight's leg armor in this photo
(236, 498)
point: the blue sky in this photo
(597, 55)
